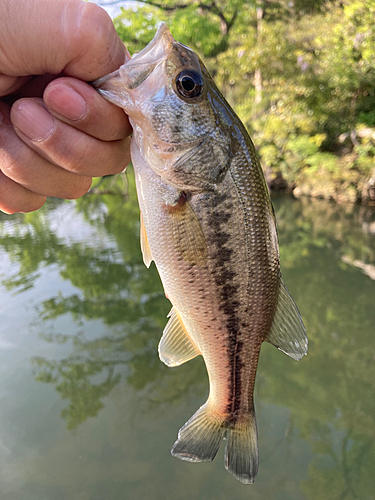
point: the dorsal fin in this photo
(146, 252)
(176, 346)
(288, 333)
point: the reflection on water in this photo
(81, 314)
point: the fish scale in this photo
(208, 223)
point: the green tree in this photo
(299, 74)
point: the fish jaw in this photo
(147, 72)
(124, 86)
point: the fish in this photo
(208, 223)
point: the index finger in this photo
(80, 105)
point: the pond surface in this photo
(87, 410)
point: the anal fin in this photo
(288, 333)
(146, 252)
(176, 346)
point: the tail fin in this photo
(200, 438)
(241, 452)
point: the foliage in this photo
(299, 74)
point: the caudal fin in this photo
(200, 438)
(241, 452)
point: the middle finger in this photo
(80, 105)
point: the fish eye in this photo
(189, 83)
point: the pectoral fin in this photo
(288, 333)
(208, 162)
(146, 252)
(176, 346)
(188, 236)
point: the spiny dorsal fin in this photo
(188, 236)
(176, 346)
(288, 333)
(146, 252)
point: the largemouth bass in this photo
(208, 223)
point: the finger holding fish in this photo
(66, 146)
(72, 38)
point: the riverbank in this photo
(351, 187)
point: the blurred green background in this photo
(300, 74)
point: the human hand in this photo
(56, 131)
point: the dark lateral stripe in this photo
(228, 292)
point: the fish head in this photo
(180, 120)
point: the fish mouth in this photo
(134, 72)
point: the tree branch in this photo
(225, 24)
(167, 8)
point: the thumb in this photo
(64, 36)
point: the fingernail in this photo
(66, 101)
(32, 119)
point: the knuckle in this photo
(79, 157)
(80, 189)
(10, 148)
(119, 165)
(92, 15)
(89, 157)
(120, 158)
(12, 162)
(89, 33)
(34, 203)
(120, 128)
(4, 186)
(95, 25)
(99, 36)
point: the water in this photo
(87, 410)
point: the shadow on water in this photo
(315, 418)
